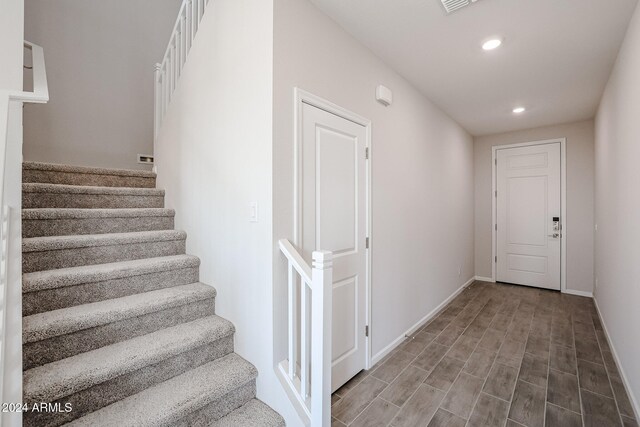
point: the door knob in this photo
(554, 235)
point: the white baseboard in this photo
(632, 398)
(579, 293)
(395, 343)
(485, 279)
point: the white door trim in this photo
(563, 204)
(301, 97)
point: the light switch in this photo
(253, 212)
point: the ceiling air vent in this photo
(453, 5)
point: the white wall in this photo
(618, 207)
(422, 164)
(580, 205)
(11, 37)
(214, 157)
(100, 58)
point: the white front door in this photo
(334, 218)
(529, 215)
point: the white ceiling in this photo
(555, 59)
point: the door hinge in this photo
(496, 193)
(496, 227)
(366, 243)
(496, 161)
(496, 259)
(366, 153)
(366, 331)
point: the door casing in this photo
(301, 97)
(563, 205)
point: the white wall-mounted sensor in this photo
(384, 95)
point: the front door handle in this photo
(554, 235)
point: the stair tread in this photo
(254, 413)
(70, 276)
(54, 323)
(36, 187)
(174, 399)
(49, 243)
(55, 167)
(62, 378)
(76, 213)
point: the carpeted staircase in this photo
(115, 320)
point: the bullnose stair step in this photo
(209, 390)
(95, 379)
(66, 287)
(62, 222)
(254, 413)
(57, 334)
(80, 175)
(52, 252)
(38, 195)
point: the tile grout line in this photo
(415, 357)
(546, 392)
(461, 369)
(432, 341)
(473, 407)
(615, 399)
(575, 351)
(440, 360)
(562, 407)
(515, 385)
(370, 403)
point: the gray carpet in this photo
(116, 322)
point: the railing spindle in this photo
(304, 339)
(292, 322)
(156, 92)
(190, 32)
(182, 45)
(175, 56)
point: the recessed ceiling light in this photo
(519, 110)
(491, 44)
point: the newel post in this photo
(321, 312)
(157, 103)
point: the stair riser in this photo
(49, 350)
(218, 409)
(70, 178)
(75, 226)
(90, 201)
(108, 392)
(70, 296)
(62, 258)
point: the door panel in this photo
(528, 199)
(336, 204)
(334, 218)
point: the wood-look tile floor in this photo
(497, 355)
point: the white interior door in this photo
(334, 218)
(528, 203)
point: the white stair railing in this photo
(10, 248)
(309, 332)
(168, 71)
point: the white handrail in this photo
(167, 72)
(295, 259)
(40, 94)
(10, 138)
(309, 331)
